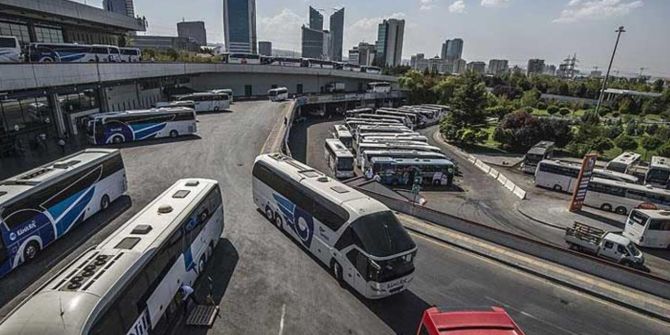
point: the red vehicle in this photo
(491, 321)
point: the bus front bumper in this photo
(381, 290)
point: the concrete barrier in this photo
(502, 179)
(472, 159)
(482, 166)
(510, 185)
(494, 173)
(638, 280)
(519, 192)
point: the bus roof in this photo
(659, 162)
(411, 153)
(413, 161)
(372, 128)
(626, 158)
(637, 187)
(541, 148)
(55, 303)
(655, 213)
(14, 186)
(169, 109)
(333, 190)
(338, 148)
(342, 130)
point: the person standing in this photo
(186, 292)
(61, 144)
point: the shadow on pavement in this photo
(660, 253)
(147, 143)
(211, 286)
(604, 219)
(18, 280)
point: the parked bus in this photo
(371, 69)
(561, 177)
(413, 118)
(379, 87)
(658, 173)
(402, 119)
(622, 198)
(130, 282)
(242, 58)
(368, 155)
(10, 49)
(285, 61)
(648, 228)
(357, 237)
(394, 138)
(418, 146)
(72, 53)
(278, 94)
(540, 151)
(388, 128)
(208, 101)
(45, 203)
(623, 162)
(318, 63)
(426, 116)
(363, 138)
(358, 111)
(340, 159)
(227, 91)
(403, 171)
(130, 55)
(128, 126)
(351, 67)
(354, 123)
(342, 133)
(183, 103)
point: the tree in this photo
(520, 130)
(468, 102)
(500, 111)
(650, 143)
(658, 85)
(531, 98)
(626, 142)
(552, 109)
(602, 144)
(664, 150)
(564, 111)
(591, 117)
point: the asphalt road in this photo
(265, 283)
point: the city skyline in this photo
(559, 28)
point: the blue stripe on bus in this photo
(294, 214)
(57, 210)
(148, 131)
(71, 57)
(75, 213)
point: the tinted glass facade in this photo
(239, 18)
(336, 33)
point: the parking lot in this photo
(265, 283)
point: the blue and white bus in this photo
(403, 171)
(43, 204)
(73, 53)
(130, 283)
(358, 238)
(242, 58)
(128, 126)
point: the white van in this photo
(208, 101)
(10, 50)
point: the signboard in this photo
(581, 187)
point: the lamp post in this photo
(602, 90)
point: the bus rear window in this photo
(7, 43)
(638, 218)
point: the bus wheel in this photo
(278, 221)
(174, 133)
(104, 202)
(31, 251)
(117, 140)
(558, 188)
(268, 213)
(606, 207)
(621, 210)
(337, 272)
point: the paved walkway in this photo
(557, 215)
(31, 158)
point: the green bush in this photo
(564, 111)
(553, 109)
(626, 142)
(541, 105)
(664, 150)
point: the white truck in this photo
(604, 244)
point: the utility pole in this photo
(609, 67)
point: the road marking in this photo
(281, 321)
(526, 314)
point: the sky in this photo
(491, 29)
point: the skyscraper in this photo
(315, 19)
(265, 48)
(239, 25)
(453, 49)
(123, 7)
(193, 30)
(498, 66)
(315, 43)
(389, 42)
(336, 33)
(535, 66)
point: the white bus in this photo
(386, 129)
(561, 176)
(384, 138)
(395, 138)
(623, 162)
(183, 103)
(227, 91)
(403, 171)
(10, 49)
(354, 123)
(379, 87)
(648, 228)
(358, 111)
(208, 101)
(278, 94)
(427, 116)
(128, 126)
(340, 159)
(242, 58)
(45, 203)
(540, 151)
(659, 172)
(72, 53)
(130, 55)
(342, 133)
(368, 155)
(371, 69)
(622, 198)
(357, 237)
(284, 61)
(412, 117)
(402, 119)
(363, 147)
(130, 283)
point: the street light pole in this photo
(607, 75)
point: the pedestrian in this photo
(186, 292)
(61, 144)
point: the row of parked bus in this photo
(12, 52)
(244, 58)
(131, 282)
(383, 145)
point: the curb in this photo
(620, 295)
(538, 220)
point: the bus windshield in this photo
(534, 158)
(381, 234)
(658, 175)
(345, 163)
